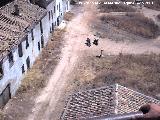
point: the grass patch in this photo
(134, 23)
(39, 74)
(115, 7)
(68, 16)
(139, 72)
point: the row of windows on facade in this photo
(20, 50)
(51, 12)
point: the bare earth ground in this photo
(49, 102)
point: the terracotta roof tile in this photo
(105, 101)
(14, 28)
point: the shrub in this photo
(134, 23)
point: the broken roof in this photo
(106, 101)
(13, 28)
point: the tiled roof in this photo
(106, 101)
(14, 28)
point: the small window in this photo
(27, 43)
(32, 34)
(41, 27)
(39, 47)
(28, 62)
(42, 41)
(52, 26)
(23, 70)
(54, 9)
(1, 70)
(59, 7)
(10, 58)
(52, 14)
(20, 51)
(49, 15)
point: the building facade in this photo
(25, 29)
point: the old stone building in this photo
(25, 28)
(104, 101)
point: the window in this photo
(5, 96)
(1, 70)
(41, 27)
(52, 26)
(10, 58)
(28, 62)
(42, 41)
(23, 70)
(59, 7)
(49, 15)
(54, 9)
(52, 14)
(27, 43)
(32, 34)
(39, 47)
(20, 51)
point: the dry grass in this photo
(68, 16)
(139, 72)
(134, 23)
(42, 69)
(115, 7)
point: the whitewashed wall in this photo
(13, 75)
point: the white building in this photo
(24, 30)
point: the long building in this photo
(25, 28)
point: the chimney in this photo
(16, 10)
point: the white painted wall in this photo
(13, 75)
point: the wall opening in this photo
(39, 47)
(32, 34)
(42, 41)
(58, 21)
(28, 62)
(10, 58)
(1, 70)
(23, 70)
(27, 43)
(5, 96)
(41, 28)
(20, 50)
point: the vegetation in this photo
(139, 72)
(44, 65)
(68, 16)
(134, 23)
(115, 8)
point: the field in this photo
(134, 23)
(138, 72)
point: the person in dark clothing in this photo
(88, 42)
(95, 41)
